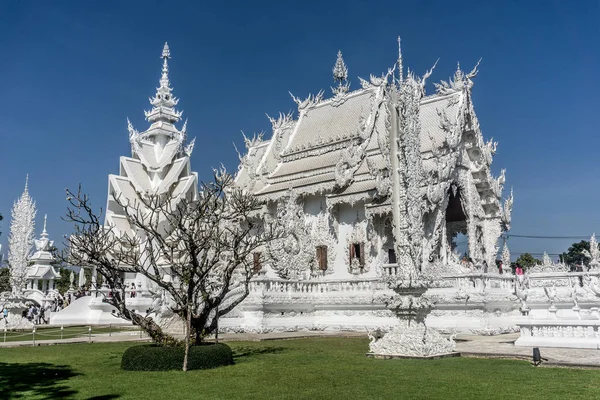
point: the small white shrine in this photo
(41, 275)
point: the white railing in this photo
(277, 285)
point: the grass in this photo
(54, 333)
(316, 368)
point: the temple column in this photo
(94, 281)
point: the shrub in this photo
(151, 357)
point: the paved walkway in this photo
(500, 346)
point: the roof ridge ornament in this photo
(459, 82)
(340, 75)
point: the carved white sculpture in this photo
(20, 240)
(292, 254)
(593, 254)
(522, 292)
(358, 237)
(411, 339)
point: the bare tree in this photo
(201, 253)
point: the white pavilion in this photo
(41, 275)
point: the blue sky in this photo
(72, 72)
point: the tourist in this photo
(42, 315)
(499, 264)
(5, 314)
(38, 314)
(518, 270)
(470, 263)
(30, 313)
(132, 289)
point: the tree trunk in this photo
(188, 324)
(153, 330)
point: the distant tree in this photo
(4, 280)
(63, 283)
(575, 254)
(526, 261)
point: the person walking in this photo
(5, 314)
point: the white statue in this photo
(552, 296)
(522, 292)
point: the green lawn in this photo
(317, 368)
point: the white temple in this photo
(363, 196)
(348, 178)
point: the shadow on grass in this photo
(39, 379)
(254, 351)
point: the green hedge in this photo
(158, 358)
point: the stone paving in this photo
(500, 346)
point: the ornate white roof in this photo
(323, 131)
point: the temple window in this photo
(257, 266)
(322, 257)
(392, 256)
(357, 252)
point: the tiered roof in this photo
(160, 159)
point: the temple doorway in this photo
(456, 222)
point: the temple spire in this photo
(26, 184)
(163, 102)
(400, 66)
(166, 54)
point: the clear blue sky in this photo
(72, 72)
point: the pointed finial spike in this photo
(27, 183)
(166, 53)
(400, 66)
(45, 218)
